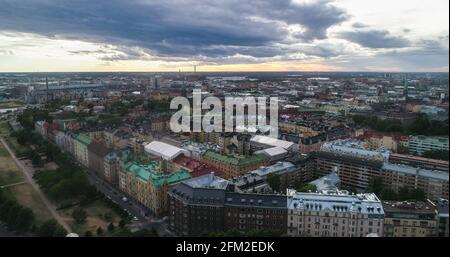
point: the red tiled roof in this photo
(197, 168)
(378, 134)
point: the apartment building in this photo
(421, 144)
(419, 162)
(285, 170)
(97, 151)
(312, 144)
(357, 166)
(196, 205)
(443, 224)
(148, 185)
(250, 212)
(81, 153)
(410, 219)
(111, 169)
(334, 214)
(355, 172)
(433, 183)
(305, 166)
(209, 204)
(233, 165)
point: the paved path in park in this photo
(13, 184)
(29, 176)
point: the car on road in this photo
(124, 199)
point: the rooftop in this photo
(431, 140)
(278, 168)
(432, 174)
(328, 182)
(151, 172)
(84, 139)
(272, 142)
(355, 147)
(163, 150)
(255, 200)
(274, 151)
(418, 158)
(336, 202)
(235, 160)
(442, 207)
(409, 207)
(208, 181)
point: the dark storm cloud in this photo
(375, 39)
(185, 28)
(423, 55)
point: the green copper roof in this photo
(152, 172)
(84, 139)
(235, 160)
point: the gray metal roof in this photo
(432, 174)
(336, 202)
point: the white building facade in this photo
(334, 214)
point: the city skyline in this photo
(218, 36)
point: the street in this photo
(142, 222)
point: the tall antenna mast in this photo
(46, 88)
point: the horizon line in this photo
(199, 72)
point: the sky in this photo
(224, 35)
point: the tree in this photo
(420, 126)
(35, 158)
(145, 233)
(418, 194)
(4, 209)
(111, 227)
(122, 223)
(388, 194)
(25, 219)
(436, 154)
(11, 217)
(402, 149)
(99, 231)
(375, 186)
(79, 215)
(51, 228)
(307, 188)
(403, 194)
(88, 233)
(274, 181)
(59, 232)
(108, 216)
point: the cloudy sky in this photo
(224, 35)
